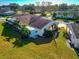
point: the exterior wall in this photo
(35, 32)
(32, 30)
(77, 44)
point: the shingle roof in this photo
(24, 19)
(40, 23)
(75, 27)
(31, 20)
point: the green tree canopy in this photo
(48, 33)
(24, 31)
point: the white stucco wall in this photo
(34, 31)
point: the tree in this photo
(73, 6)
(16, 23)
(37, 7)
(65, 14)
(38, 4)
(54, 14)
(63, 7)
(45, 13)
(49, 3)
(14, 6)
(24, 32)
(30, 7)
(26, 12)
(75, 14)
(55, 7)
(48, 33)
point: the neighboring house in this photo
(64, 14)
(2, 11)
(9, 12)
(36, 13)
(36, 24)
(2, 19)
(6, 13)
(73, 32)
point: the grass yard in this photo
(67, 20)
(30, 50)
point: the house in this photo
(73, 32)
(64, 14)
(6, 13)
(36, 24)
(2, 19)
(2, 11)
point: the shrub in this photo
(25, 32)
(48, 33)
(45, 13)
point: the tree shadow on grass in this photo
(21, 42)
(44, 40)
(41, 40)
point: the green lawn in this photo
(67, 20)
(30, 50)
